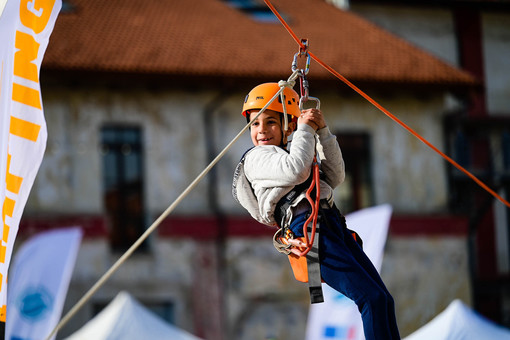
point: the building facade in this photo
(128, 131)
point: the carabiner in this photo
(303, 48)
(303, 51)
(316, 100)
(303, 84)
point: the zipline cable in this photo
(386, 112)
(195, 182)
(157, 222)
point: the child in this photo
(268, 172)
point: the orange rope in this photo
(315, 209)
(386, 112)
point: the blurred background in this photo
(140, 96)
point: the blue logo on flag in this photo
(339, 332)
(34, 303)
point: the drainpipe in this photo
(217, 328)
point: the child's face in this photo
(266, 129)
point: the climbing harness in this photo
(303, 252)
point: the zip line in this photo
(386, 112)
(289, 83)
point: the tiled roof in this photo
(210, 38)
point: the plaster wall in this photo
(165, 275)
(406, 173)
(496, 40)
(433, 30)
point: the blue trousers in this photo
(347, 269)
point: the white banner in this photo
(338, 317)
(38, 283)
(25, 28)
(2, 6)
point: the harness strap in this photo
(283, 205)
(314, 268)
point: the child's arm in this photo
(271, 166)
(333, 165)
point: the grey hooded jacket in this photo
(267, 173)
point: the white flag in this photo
(38, 283)
(338, 317)
(2, 6)
(25, 28)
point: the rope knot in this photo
(287, 83)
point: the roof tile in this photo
(211, 38)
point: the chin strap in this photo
(290, 84)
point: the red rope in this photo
(386, 112)
(315, 209)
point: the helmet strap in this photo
(285, 119)
(284, 141)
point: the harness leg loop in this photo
(314, 269)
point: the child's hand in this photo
(312, 117)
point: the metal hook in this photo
(303, 51)
(303, 48)
(302, 100)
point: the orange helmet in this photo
(261, 94)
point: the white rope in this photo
(160, 219)
(290, 84)
(285, 118)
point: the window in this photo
(505, 146)
(356, 191)
(255, 8)
(482, 146)
(471, 148)
(123, 184)
(67, 7)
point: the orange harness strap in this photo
(315, 210)
(305, 260)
